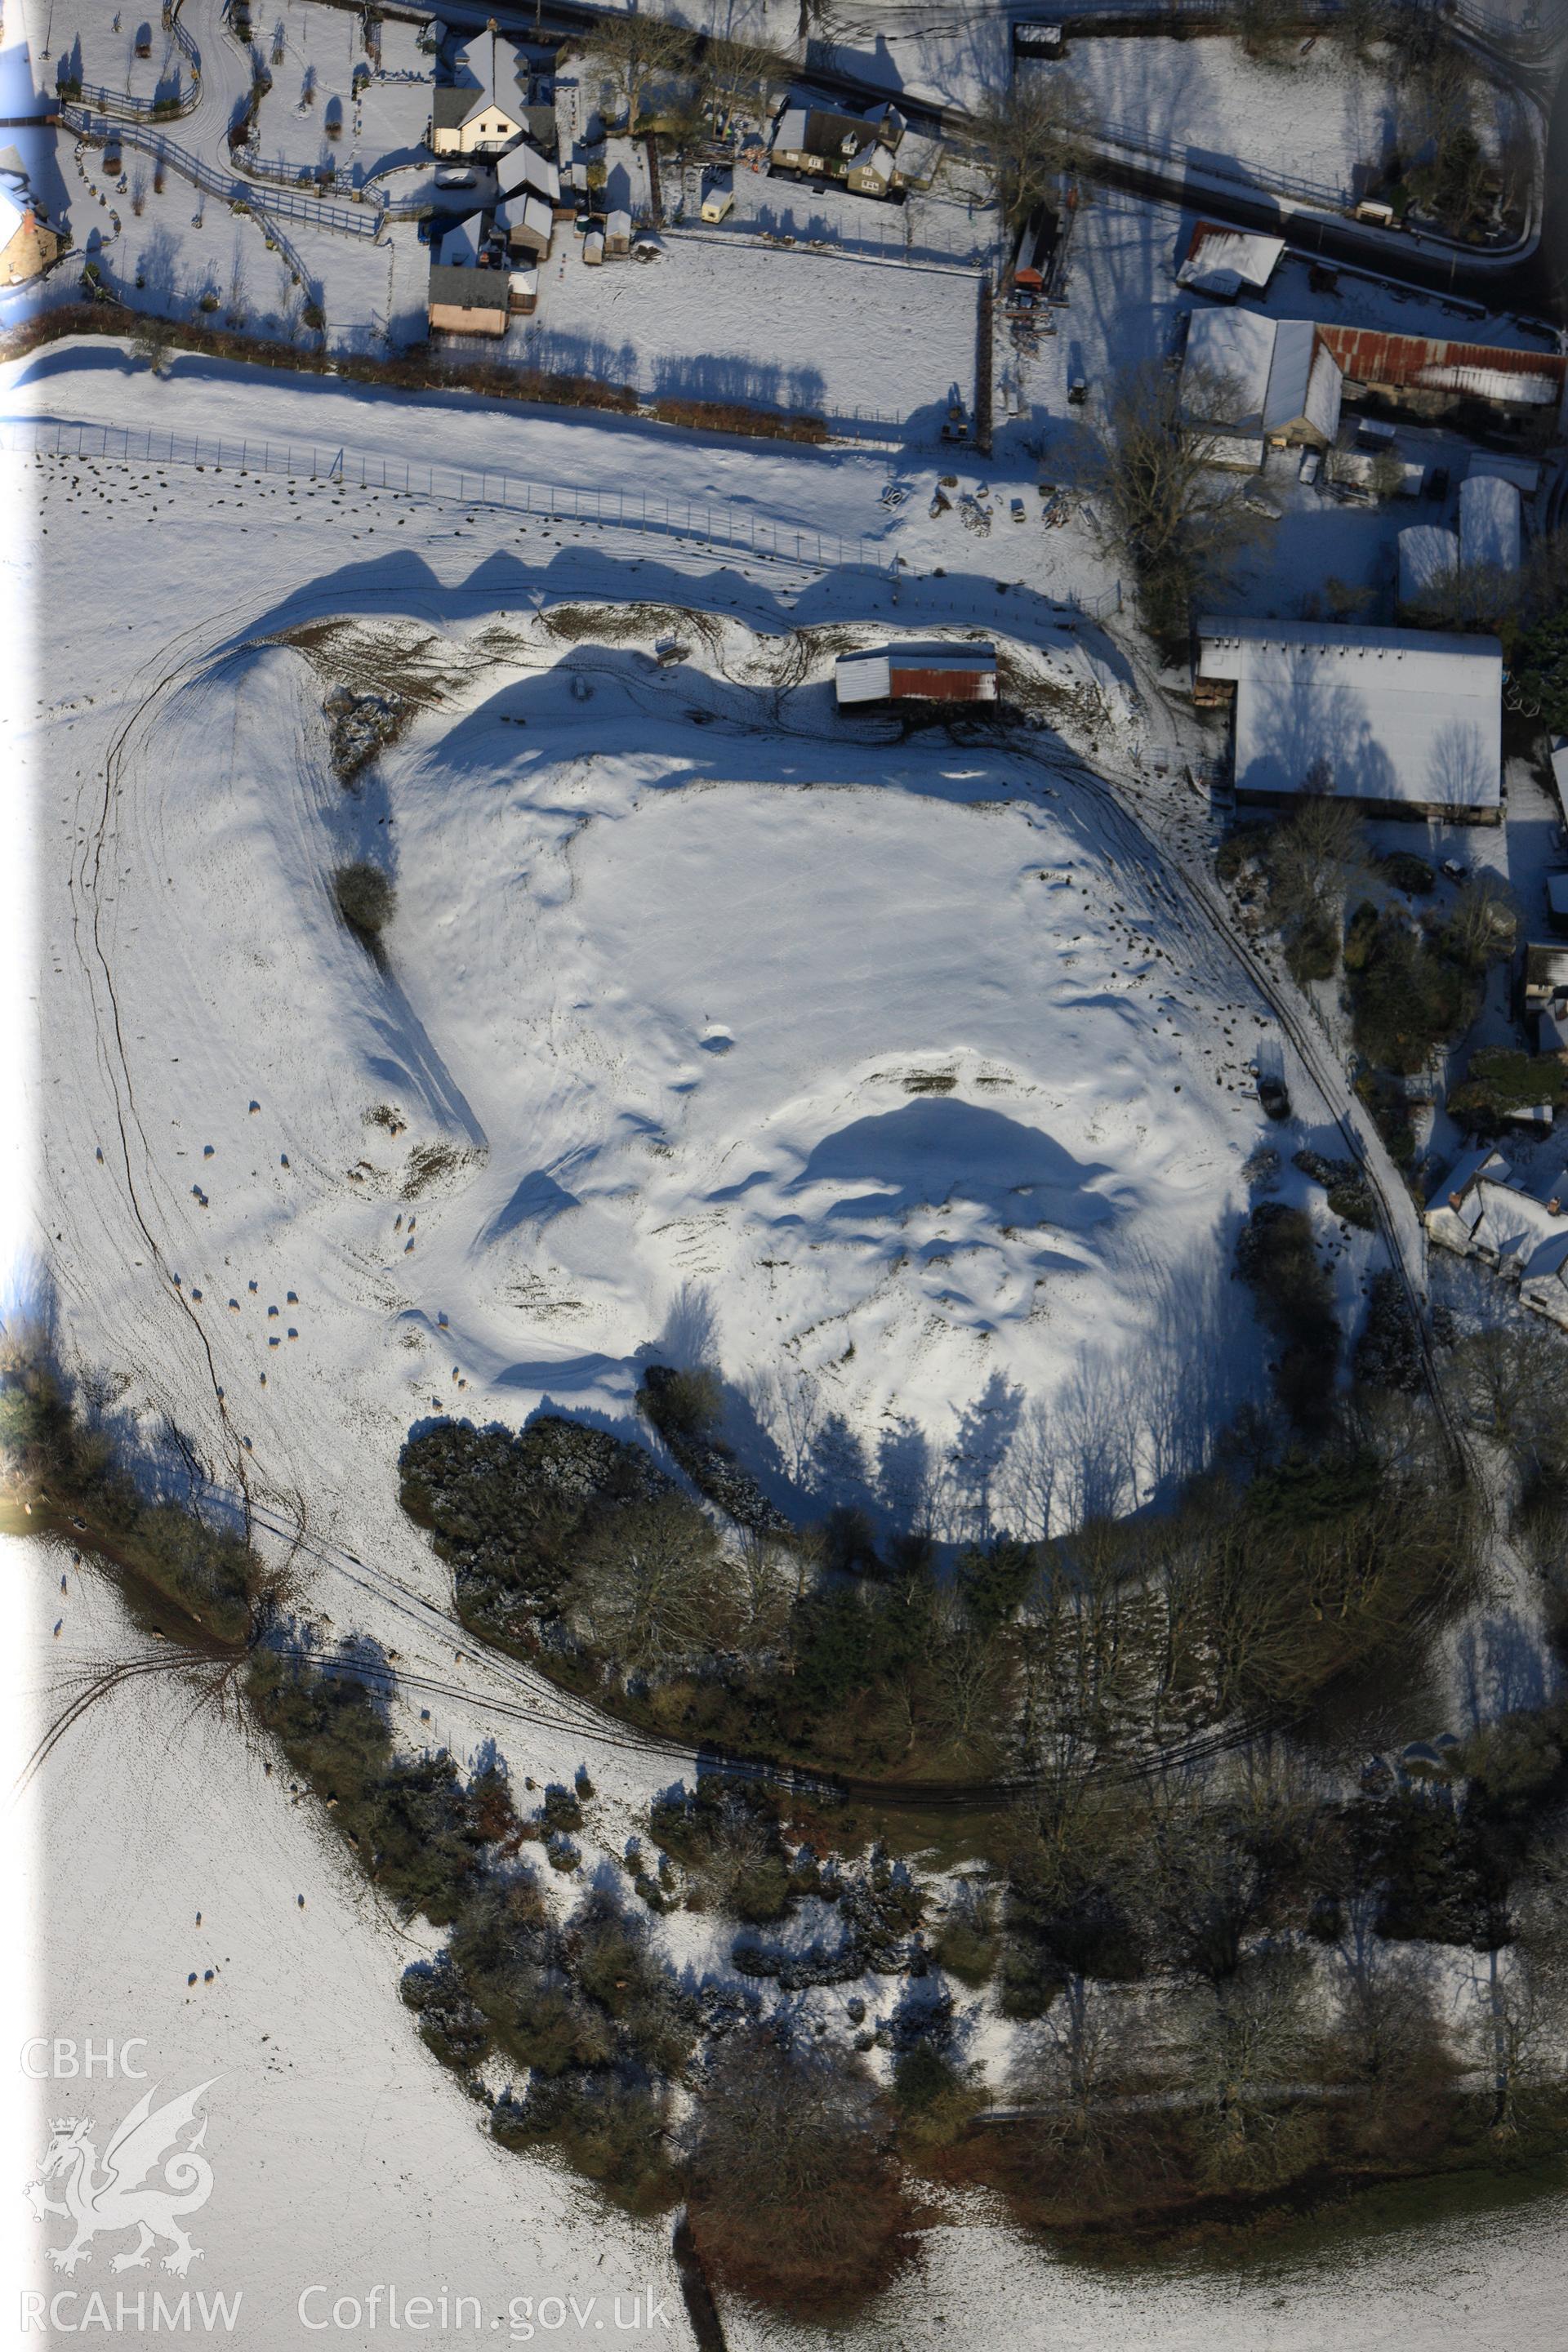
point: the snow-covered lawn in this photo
(313, 79)
(1313, 118)
(715, 319)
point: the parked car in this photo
(1017, 510)
(1312, 466)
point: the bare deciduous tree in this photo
(651, 1586)
(735, 78)
(1249, 2053)
(630, 52)
(792, 2192)
(1316, 855)
(1027, 134)
(1178, 521)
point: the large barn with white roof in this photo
(1404, 722)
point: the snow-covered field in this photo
(1314, 117)
(717, 320)
(682, 1007)
(890, 1073)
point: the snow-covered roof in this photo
(528, 214)
(1488, 523)
(467, 289)
(1524, 473)
(874, 159)
(1304, 384)
(458, 248)
(1267, 375)
(11, 215)
(1225, 370)
(1493, 384)
(919, 152)
(522, 167)
(863, 678)
(1390, 715)
(1219, 259)
(1428, 559)
(1325, 393)
(1481, 1160)
(869, 676)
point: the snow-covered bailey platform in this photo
(709, 1021)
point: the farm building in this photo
(1428, 566)
(1404, 722)
(1221, 261)
(1431, 377)
(468, 301)
(1488, 524)
(1251, 382)
(917, 673)
(1482, 1210)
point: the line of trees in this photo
(1301, 1554)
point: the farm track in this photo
(1186, 899)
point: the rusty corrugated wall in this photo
(1372, 356)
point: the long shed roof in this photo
(1390, 715)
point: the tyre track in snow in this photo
(173, 663)
(1391, 1203)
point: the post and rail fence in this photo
(717, 523)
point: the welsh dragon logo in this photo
(101, 2203)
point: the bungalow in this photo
(1250, 383)
(468, 301)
